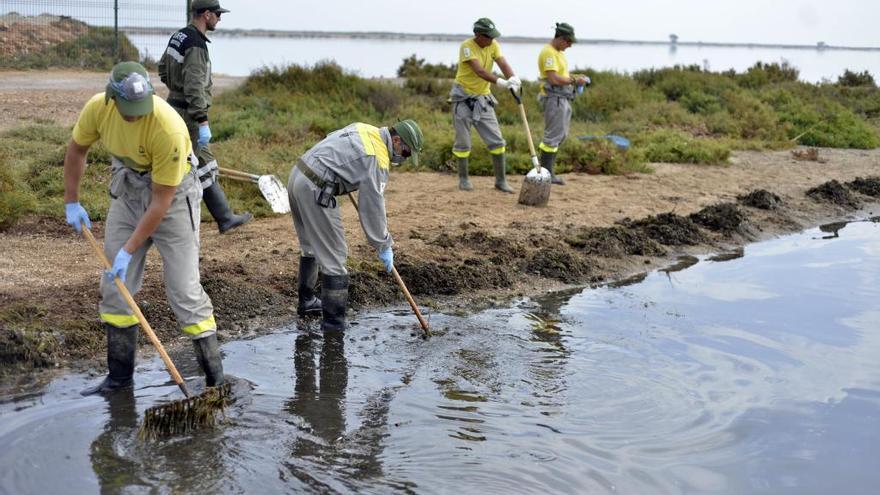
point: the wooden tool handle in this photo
(234, 174)
(522, 113)
(409, 299)
(137, 312)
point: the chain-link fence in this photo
(91, 34)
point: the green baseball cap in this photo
(485, 26)
(411, 134)
(213, 5)
(565, 31)
(130, 86)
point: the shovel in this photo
(535, 190)
(180, 416)
(271, 188)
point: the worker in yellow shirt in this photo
(473, 103)
(155, 200)
(558, 89)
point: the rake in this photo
(180, 416)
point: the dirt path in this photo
(57, 96)
(456, 250)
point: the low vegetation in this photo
(679, 114)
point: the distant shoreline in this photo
(445, 37)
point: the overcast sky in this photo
(838, 22)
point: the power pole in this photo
(116, 28)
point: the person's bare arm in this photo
(480, 71)
(505, 67)
(74, 167)
(159, 204)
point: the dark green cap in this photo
(130, 86)
(485, 26)
(411, 134)
(213, 5)
(565, 31)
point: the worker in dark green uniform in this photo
(185, 68)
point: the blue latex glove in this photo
(76, 216)
(387, 258)
(204, 135)
(120, 265)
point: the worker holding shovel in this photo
(155, 200)
(185, 68)
(474, 105)
(558, 88)
(355, 158)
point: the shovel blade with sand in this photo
(535, 190)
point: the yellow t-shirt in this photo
(157, 142)
(465, 76)
(551, 59)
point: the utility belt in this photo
(327, 183)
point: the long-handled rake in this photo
(180, 416)
(409, 298)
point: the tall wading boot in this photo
(208, 355)
(217, 204)
(463, 183)
(308, 276)
(500, 169)
(334, 300)
(121, 348)
(547, 160)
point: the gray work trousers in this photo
(318, 229)
(486, 125)
(208, 166)
(176, 237)
(557, 119)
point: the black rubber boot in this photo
(208, 355)
(308, 276)
(334, 300)
(547, 160)
(500, 169)
(121, 348)
(463, 183)
(215, 200)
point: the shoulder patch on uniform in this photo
(548, 62)
(185, 39)
(466, 51)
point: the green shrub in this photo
(677, 147)
(761, 74)
(856, 79)
(599, 156)
(413, 66)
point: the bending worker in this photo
(557, 91)
(155, 200)
(474, 105)
(354, 158)
(185, 68)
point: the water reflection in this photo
(320, 397)
(110, 452)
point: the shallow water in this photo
(750, 372)
(239, 56)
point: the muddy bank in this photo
(456, 251)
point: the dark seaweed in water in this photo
(760, 198)
(834, 192)
(559, 263)
(614, 242)
(669, 229)
(869, 186)
(721, 217)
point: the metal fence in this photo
(86, 33)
